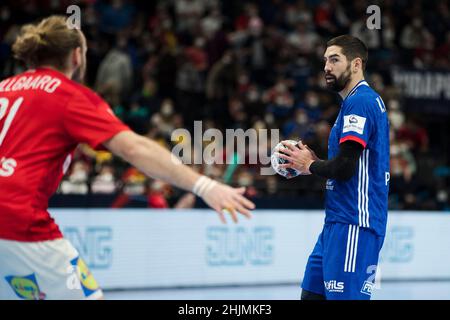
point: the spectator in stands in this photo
(116, 70)
(77, 180)
(105, 182)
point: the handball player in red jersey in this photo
(44, 114)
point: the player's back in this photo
(33, 149)
(43, 116)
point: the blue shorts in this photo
(343, 263)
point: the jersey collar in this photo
(360, 83)
(52, 71)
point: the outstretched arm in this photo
(157, 162)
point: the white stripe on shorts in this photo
(355, 252)
(352, 248)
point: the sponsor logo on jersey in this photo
(330, 185)
(334, 286)
(367, 288)
(88, 283)
(354, 123)
(353, 119)
(26, 287)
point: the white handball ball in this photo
(276, 161)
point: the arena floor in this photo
(429, 290)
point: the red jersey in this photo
(43, 117)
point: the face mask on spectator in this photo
(79, 175)
(301, 118)
(253, 95)
(312, 100)
(167, 109)
(245, 181)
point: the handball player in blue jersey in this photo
(345, 258)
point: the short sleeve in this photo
(357, 121)
(90, 120)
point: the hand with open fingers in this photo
(225, 199)
(300, 157)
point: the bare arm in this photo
(152, 159)
(157, 162)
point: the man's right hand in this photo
(225, 199)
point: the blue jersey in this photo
(363, 199)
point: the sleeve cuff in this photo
(353, 138)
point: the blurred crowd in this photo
(162, 65)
